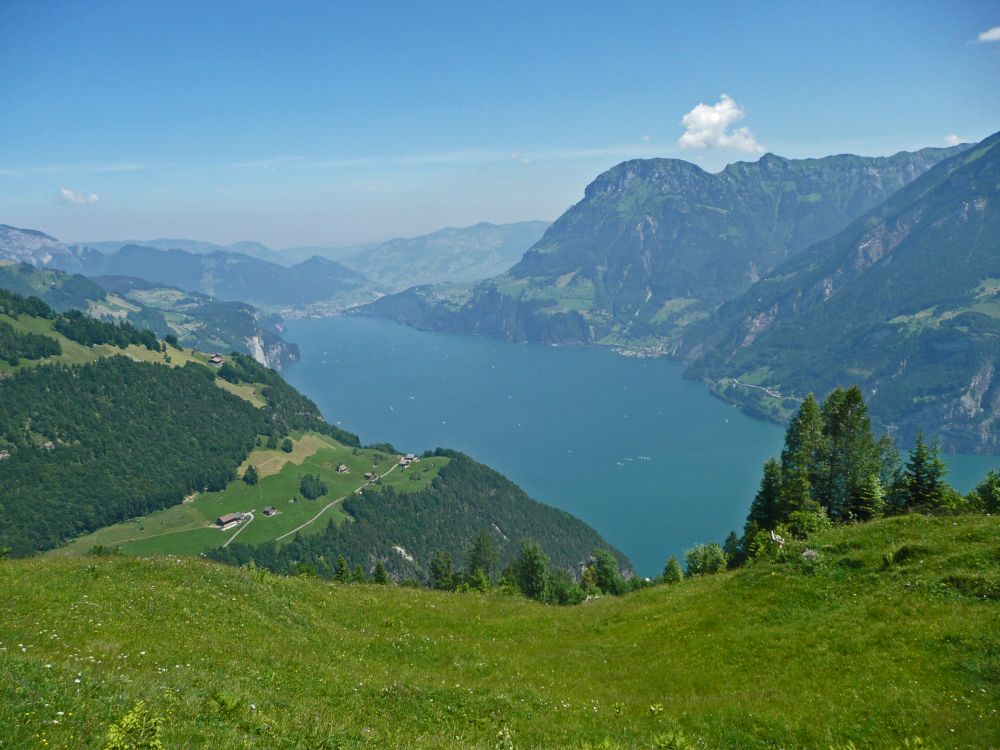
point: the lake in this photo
(650, 460)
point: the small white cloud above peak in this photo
(78, 198)
(708, 126)
(990, 35)
(520, 158)
(952, 139)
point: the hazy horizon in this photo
(312, 124)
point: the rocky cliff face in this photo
(656, 245)
(905, 301)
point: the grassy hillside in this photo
(189, 528)
(893, 633)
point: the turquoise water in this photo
(652, 461)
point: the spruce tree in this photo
(925, 472)
(250, 475)
(482, 555)
(851, 454)
(442, 571)
(341, 572)
(765, 508)
(531, 571)
(802, 457)
(672, 572)
(380, 576)
(868, 500)
(987, 493)
(733, 548)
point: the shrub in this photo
(703, 559)
(136, 730)
(804, 523)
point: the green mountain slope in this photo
(198, 321)
(101, 423)
(891, 633)
(904, 301)
(455, 254)
(656, 245)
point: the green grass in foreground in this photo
(186, 529)
(894, 633)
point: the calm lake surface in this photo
(652, 461)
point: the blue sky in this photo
(336, 123)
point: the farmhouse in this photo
(228, 518)
(215, 359)
(342, 469)
(371, 476)
(269, 510)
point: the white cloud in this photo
(647, 138)
(952, 140)
(707, 126)
(519, 157)
(80, 199)
(990, 35)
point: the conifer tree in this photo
(924, 475)
(341, 571)
(482, 555)
(250, 475)
(442, 571)
(802, 457)
(734, 550)
(765, 508)
(851, 454)
(380, 576)
(531, 571)
(672, 572)
(986, 496)
(868, 500)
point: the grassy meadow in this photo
(186, 529)
(891, 634)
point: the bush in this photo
(286, 445)
(704, 559)
(804, 523)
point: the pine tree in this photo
(802, 457)
(851, 454)
(765, 508)
(482, 555)
(358, 574)
(250, 475)
(531, 571)
(868, 500)
(987, 493)
(606, 574)
(442, 571)
(734, 550)
(341, 572)
(924, 476)
(380, 576)
(672, 572)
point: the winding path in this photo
(243, 525)
(324, 510)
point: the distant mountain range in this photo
(656, 245)
(453, 254)
(905, 301)
(774, 279)
(315, 285)
(197, 320)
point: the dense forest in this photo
(464, 500)
(288, 409)
(86, 446)
(76, 326)
(15, 346)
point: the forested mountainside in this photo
(655, 245)
(196, 320)
(904, 301)
(406, 530)
(101, 422)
